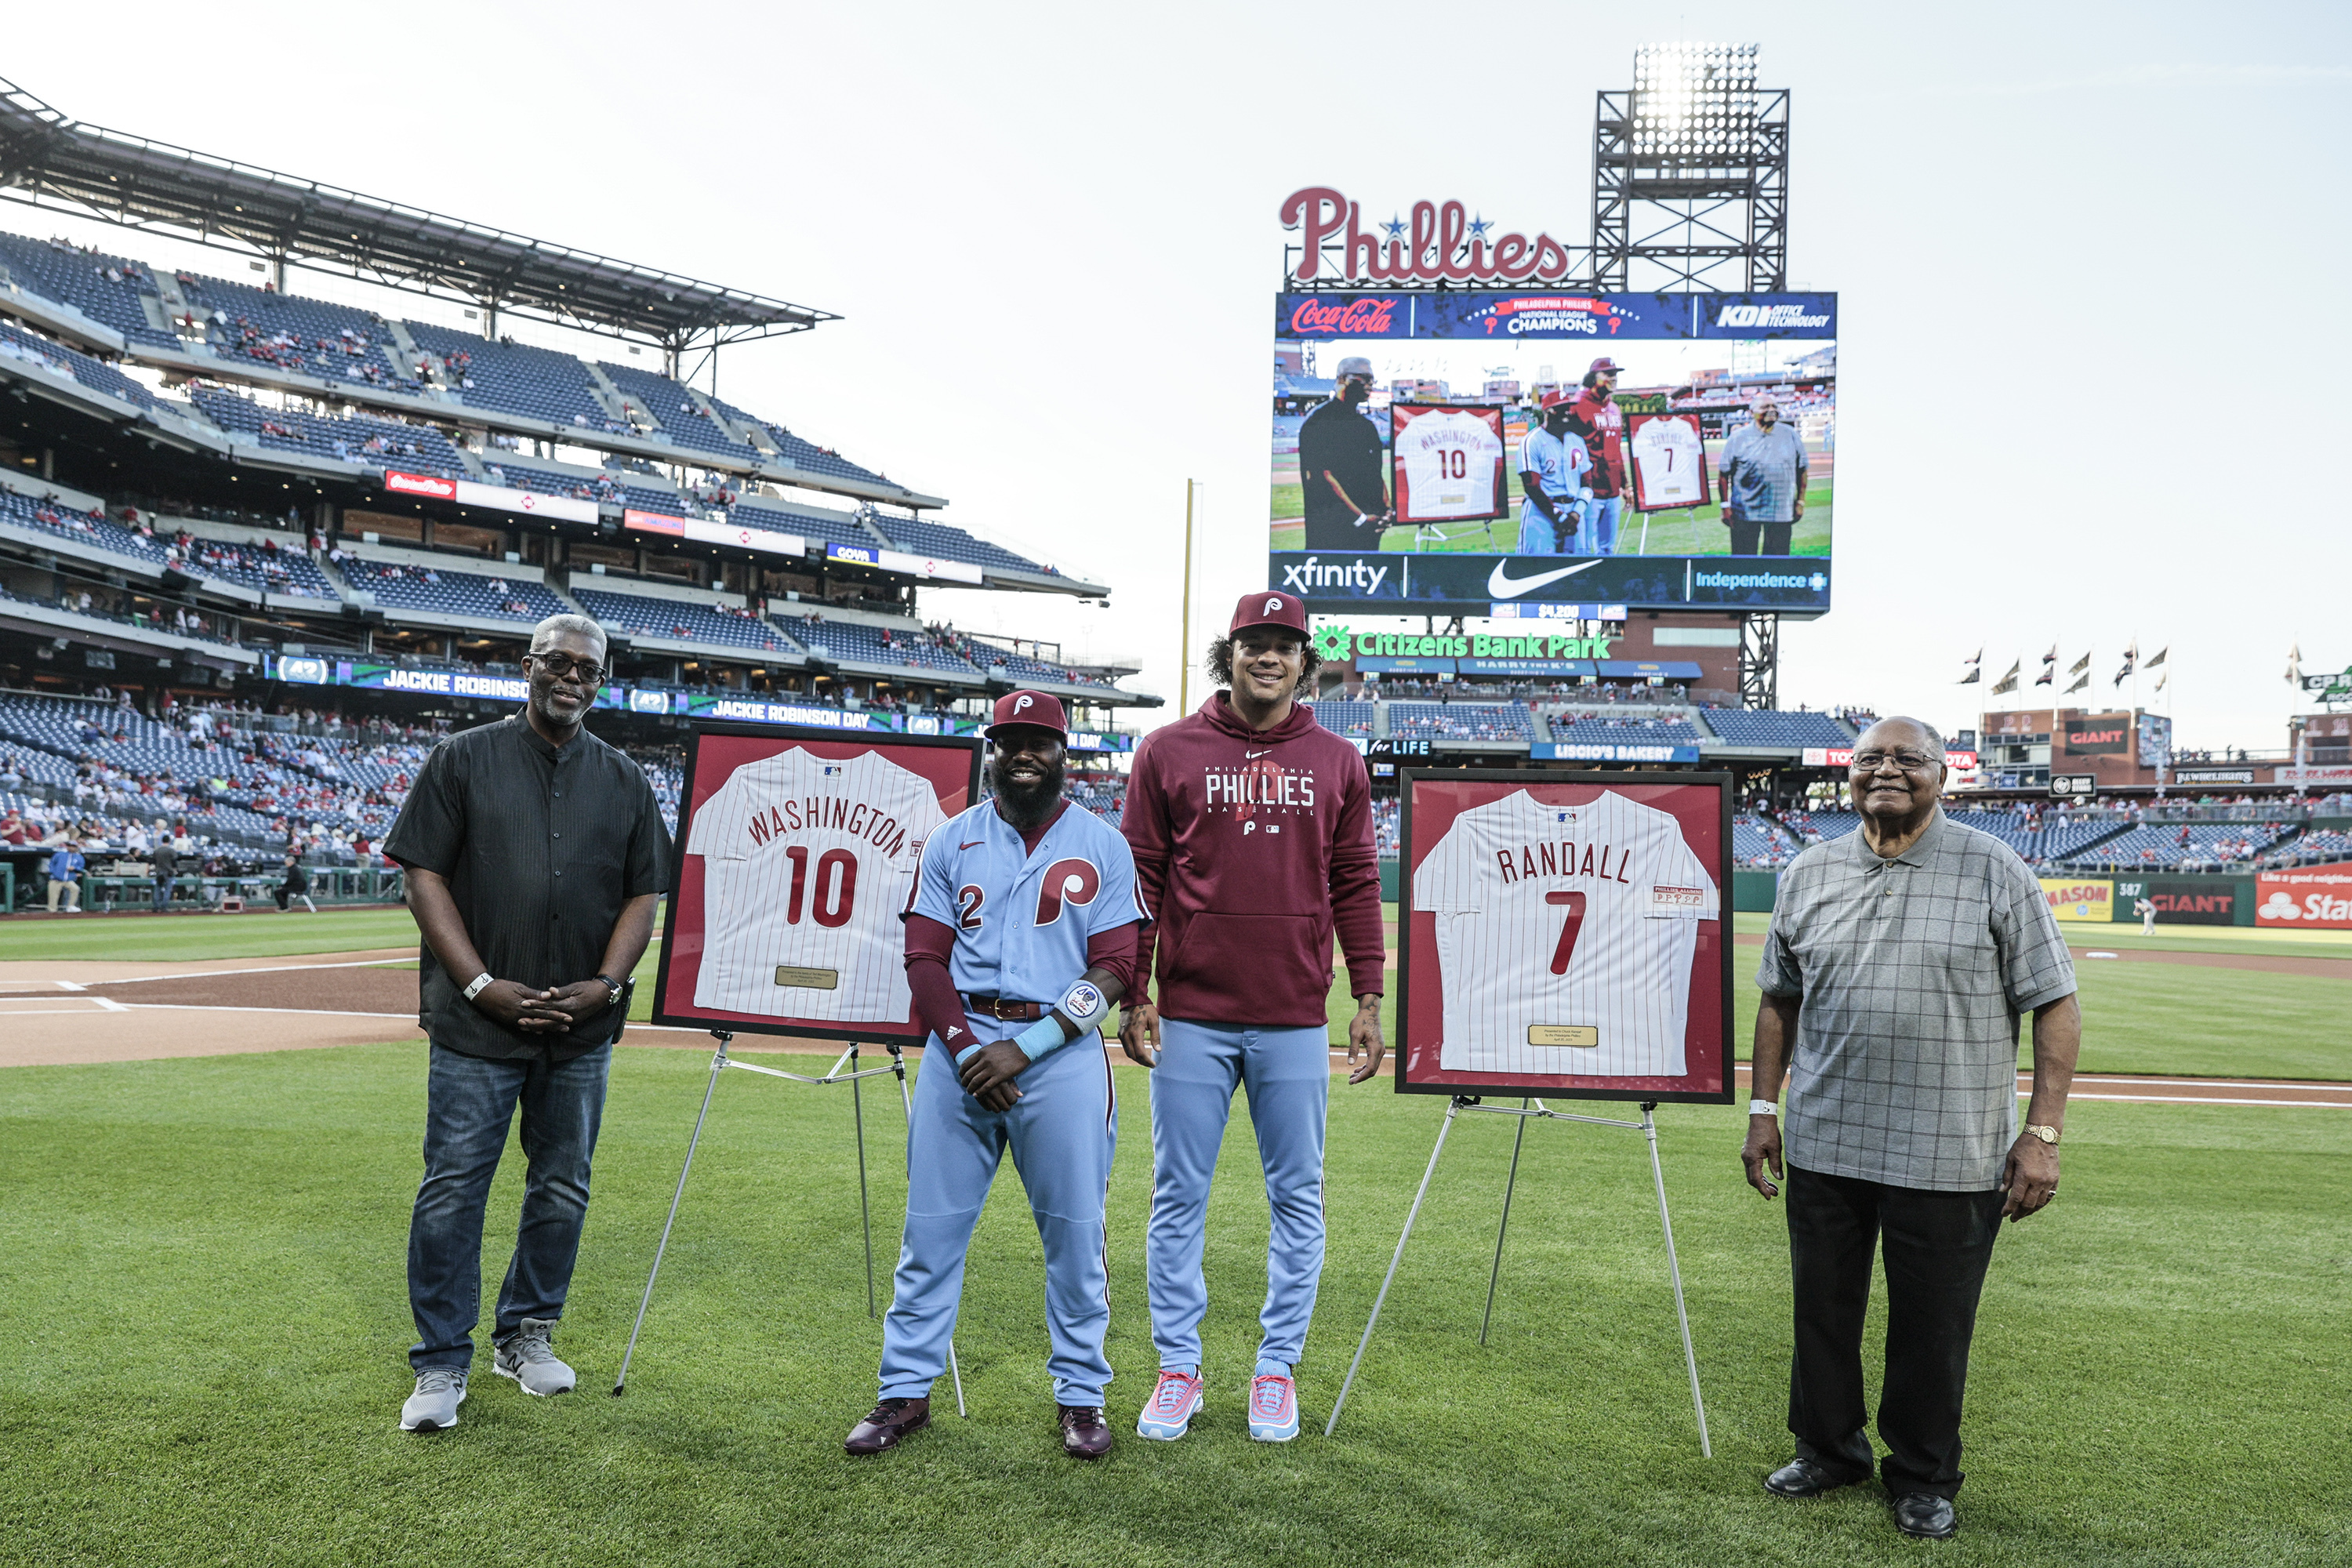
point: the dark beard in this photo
(1026, 807)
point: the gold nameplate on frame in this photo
(808, 979)
(1575, 1036)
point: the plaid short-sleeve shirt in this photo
(1913, 973)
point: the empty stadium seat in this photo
(1768, 727)
(643, 615)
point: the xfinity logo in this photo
(1303, 577)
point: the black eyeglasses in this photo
(1909, 762)
(561, 665)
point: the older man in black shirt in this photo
(535, 856)
(1340, 466)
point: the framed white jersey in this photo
(798, 852)
(1669, 462)
(1446, 462)
(1563, 934)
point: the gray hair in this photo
(554, 626)
(1935, 737)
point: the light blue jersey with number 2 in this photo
(1023, 917)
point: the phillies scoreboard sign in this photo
(1428, 294)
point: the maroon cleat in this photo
(890, 1422)
(1085, 1434)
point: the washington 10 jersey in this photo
(1022, 916)
(1565, 935)
(1450, 465)
(1671, 458)
(806, 863)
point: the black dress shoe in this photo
(889, 1422)
(1085, 1434)
(1926, 1516)
(1803, 1477)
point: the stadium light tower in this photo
(1690, 175)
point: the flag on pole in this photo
(2162, 679)
(2049, 673)
(2157, 658)
(2294, 663)
(1972, 678)
(2080, 665)
(2008, 683)
(2130, 655)
(2080, 682)
(2051, 656)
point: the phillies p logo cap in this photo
(1270, 608)
(1036, 708)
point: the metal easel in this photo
(719, 1062)
(1526, 1111)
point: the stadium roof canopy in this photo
(50, 160)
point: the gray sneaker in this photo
(433, 1407)
(530, 1361)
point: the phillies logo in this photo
(1441, 242)
(1273, 607)
(1021, 702)
(1329, 318)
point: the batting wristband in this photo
(1080, 1011)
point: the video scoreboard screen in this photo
(1498, 452)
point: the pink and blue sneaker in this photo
(1272, 1407)
(1168, 1412)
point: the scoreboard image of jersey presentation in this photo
(1489, 453)
(1565, 934)
(797, 851)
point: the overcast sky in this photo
(2090, 257)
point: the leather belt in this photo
(997, 1007)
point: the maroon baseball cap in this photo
(1555, 398)
(1030, 708)
(1604, 363)
(1270, 608)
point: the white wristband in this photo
(481, 983)
(1762, 1107)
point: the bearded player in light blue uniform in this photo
(1020, 939)
(1554, 470)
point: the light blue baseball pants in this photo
(1287, 1072)
(1062, 1131)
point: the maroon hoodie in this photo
(1250, 848)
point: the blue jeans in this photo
(1600, 535)
(469, 1103)
(163, 894)
(1287, 1073)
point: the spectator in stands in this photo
(64, 869)
(1899, 1031)
(1340, 461)
(294, 884)
(163, 862)
(13, 827)
(519, 1006)
(1764, 472)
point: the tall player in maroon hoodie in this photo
(1251, 827)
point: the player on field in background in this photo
(1340, 466)
(1251, 830)
(1554, 469)
(1595, 417)
(1024, 914)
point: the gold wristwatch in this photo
(2047, 1134)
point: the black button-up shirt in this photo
(542, 846)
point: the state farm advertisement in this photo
(2312, 897)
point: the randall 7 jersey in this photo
(1671, 462)
(807, 862)
(1565, 935)
(1449, 464)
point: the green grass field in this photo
(202, 1263)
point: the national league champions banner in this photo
(797, 850)
(1565, 934)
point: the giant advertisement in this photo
(1488, 452)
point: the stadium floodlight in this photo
(1694, 102)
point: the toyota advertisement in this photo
(1490, 452)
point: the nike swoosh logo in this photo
(1501, 585)
(1247, 755)
(973, 844)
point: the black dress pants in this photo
(1936, 1246)
(1759, 538)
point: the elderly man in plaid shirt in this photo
(1764, 473)
(1900, 960)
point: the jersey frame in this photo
(1408, 946)
(785, 736)
(1398, 489)
(1633, 424)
